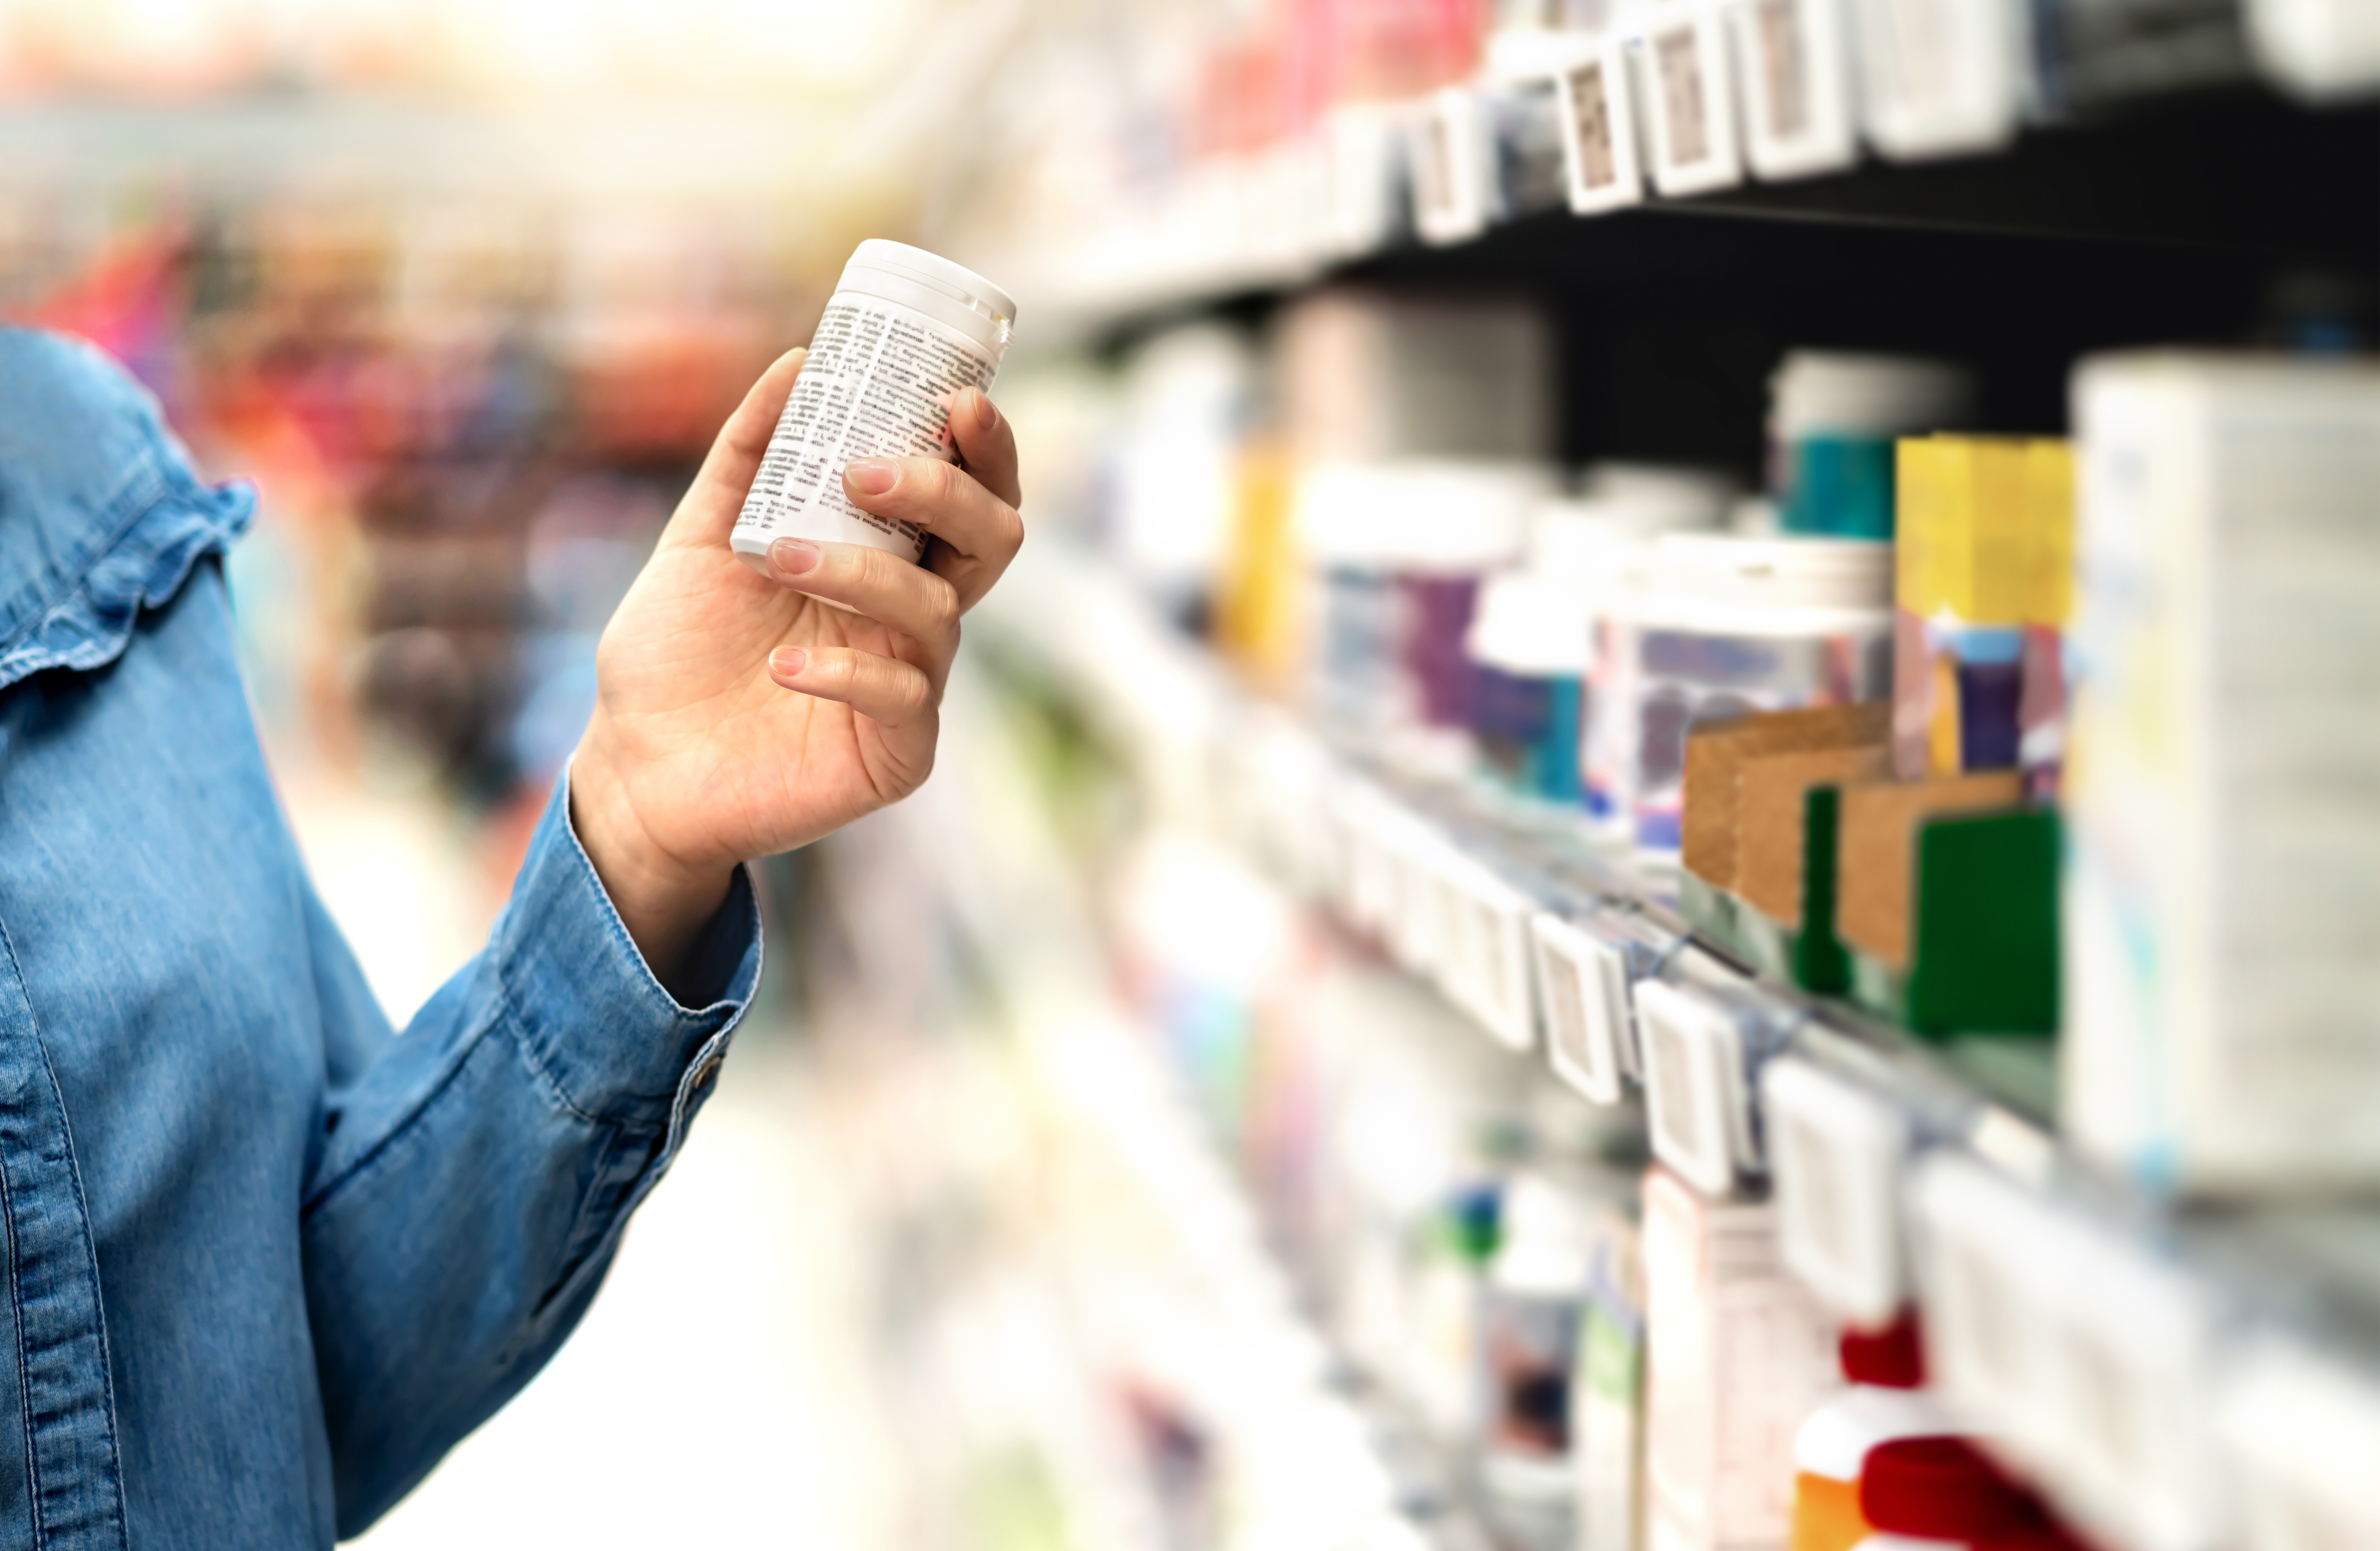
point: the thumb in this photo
(716, 498)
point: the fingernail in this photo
(986, 415)
(790, 557)
(872, 476)
(787, 660)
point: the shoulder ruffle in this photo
(101, 514)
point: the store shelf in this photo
(1978, 1115)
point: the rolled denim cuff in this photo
(618, 1046)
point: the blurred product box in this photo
(1397, 550)
(1984, 576)
(1949, 903)
(1532, 643)
(1832, 421)
(1737, 1356)
(2222, 877)
(1728, 626)
(1747, 831)
(2095, 55)
(1366, 377)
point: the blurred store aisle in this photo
(706, 1399)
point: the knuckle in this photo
(943, 486)
(872, 568)
(943, 603)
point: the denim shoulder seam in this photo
(88, 619)
(134, 497)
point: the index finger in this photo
(987, 444)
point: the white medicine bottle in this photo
(905, 332)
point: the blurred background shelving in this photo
(1203, 1117)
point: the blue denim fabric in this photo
(265, 1260)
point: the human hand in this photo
(739, 715)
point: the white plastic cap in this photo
(1817, 392)
(952, 293)
(1443, 516)
(1531, 625)
(1684, 496)
(1548, 1241)
(1720, 569)
(1599, 541)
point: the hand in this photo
(739, 715)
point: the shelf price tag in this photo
(2134, 1371)
(1419, 914)
(2090, 1362)
(1360, 140)
(1681, 66)
(1367, 858)
(2321, 51)
(1835, 1153)
(1985, 1247)
(1695, 1092)
(1489, 974)
(1797, 87)
(1453, 167)
(1583, 986)
(1943, 78)
(1599, 152)
(2302, 1434)
(1285, 777)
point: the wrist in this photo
(663, 898)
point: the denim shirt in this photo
(266, 1259)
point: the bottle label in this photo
(877, 383)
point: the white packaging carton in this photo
(2222, 896)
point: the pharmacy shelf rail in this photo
(2164, 1369)
(2170, 220)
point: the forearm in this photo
(476, 1170)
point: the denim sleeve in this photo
(478, 1168)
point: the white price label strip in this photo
(1481, 965)
(1599, 152)
(2135, 1386)
(1368, 882)
(1504, 992)
(1583, 984)
(2324, 51)
(1984, 1248)
(1681, 66)
(1453, 162)
(2302, 1435)
(1694, 1077)
(1836, 1152)
(1798, 113)
(1943, 78)
(2089, 1361)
